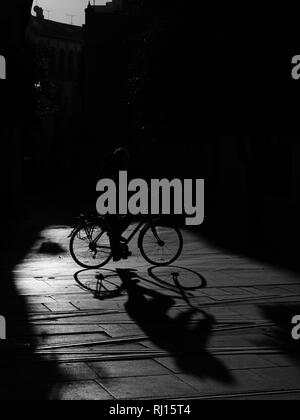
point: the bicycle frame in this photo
(97, 233)
(145, 223)
(135, 231)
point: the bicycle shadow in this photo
(105, 284)
(174, 335)
(176, 272)
(102, 286)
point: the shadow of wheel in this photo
(103, 283)
(188, 280)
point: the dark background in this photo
(190, 91)
(203, 92)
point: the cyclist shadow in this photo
(174, 335)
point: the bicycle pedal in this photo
(127, 255)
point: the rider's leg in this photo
(114, 237)
(124, 223)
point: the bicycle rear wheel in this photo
(161, 245)
(90, 246)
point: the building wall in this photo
(105, 75)
(15, 103)
(60, 46)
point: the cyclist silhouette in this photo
(116, 162)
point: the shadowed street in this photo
(204, 328)
(195, 116)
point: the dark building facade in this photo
(56, 49)
(16, 100)
(105, 72)
(209, 104)
(114, 76)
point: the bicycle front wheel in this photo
(90, 247)
(161, 245)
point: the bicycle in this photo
(159, 244)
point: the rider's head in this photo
(121, 158)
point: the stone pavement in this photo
(216, 326)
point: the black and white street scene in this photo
(150, 202)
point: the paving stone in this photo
(253, 291)
(37, 307)
(282, 378)
(293, 288)
(119, 369)
(68, 339)
(134, 329)
(49, 372)
(114, 347)
(236, 362)
(239, 362)
(214, 292)
(66, 329)
(171, 364)
(280, 360)
(76, 371)
(201, 300)
(236, 292)
(147, 386)
(243, 380)
(150, 345)
(61, 307)
(115, 331)
(221, 312)
(248, 311)
(272, 291)
(67, 297)
(64, 289)
(114, 317)
(226, 340)
(78, 391)
(88, 304)
(267, 397)
(39, 299)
